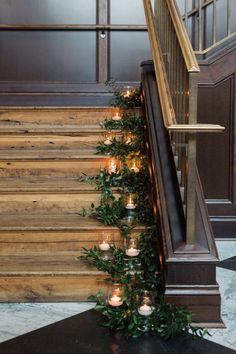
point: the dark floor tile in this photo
(229, 263)
(83, 334)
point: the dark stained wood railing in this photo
(177, 74)
(186, 236)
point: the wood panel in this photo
(217, 152)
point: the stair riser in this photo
(47, 203)
(52, 168)
(53, 244)
(34, 143)
(80, 116)
(37, 288)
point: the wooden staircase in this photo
(43, 152)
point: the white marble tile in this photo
(227, 282)
(17, 319)
(226, 249)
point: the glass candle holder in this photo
(113, 166)
(107, 139)
(127, 91)
(116, 117)
(105, 242)
(132, 248)
(130, 201)
(128, 138)
(134, 165)
(145, 306)
(115, 297)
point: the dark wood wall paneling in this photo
(217, 152)
(68, 66)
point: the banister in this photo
(177, 71)
(196, 128)
(164, 90)
(184, 42)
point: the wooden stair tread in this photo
(75, 129)
(50, 222)
(38, 184)
(45, 265)
(49, 154)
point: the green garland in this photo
(135, 274)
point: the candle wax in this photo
(115, 301)
(108, 141)
(130, 206)
(104, 246)
(116, 117)
(134, 168)
(145, 310)
(132, 252)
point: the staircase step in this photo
(54, 116)
(47, 154)
(43, 152)
(50, 203)
(43, 278)
(54, 235)
(44, 185)
(53, 167)
(50, 222)
(13, 143)
(30, 243)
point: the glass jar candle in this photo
(115, 297)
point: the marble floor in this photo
(17, 319)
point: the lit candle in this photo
(108, 141)
(127, 93)
(115, 301)
(132, 252)
(116, 117)
(130, 204)
(134, 167)
(145, 310)
(104, 246)
(112, 168)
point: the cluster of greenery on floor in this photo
(134, 304)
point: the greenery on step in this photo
(122, 101)
(138, 274)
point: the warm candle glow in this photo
(128, 139)
(127, 94)
(112, 167)
(132, 252)
(134, 167)
(115, 299)
(130, 203)
(104, 246)
(108, 140)
(116, 116)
